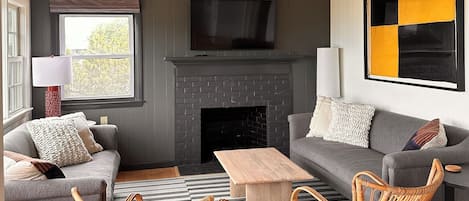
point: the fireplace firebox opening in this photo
(232, 128)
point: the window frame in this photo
(131, 54)
(19, 57)
(137, 100)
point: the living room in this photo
(182, 94)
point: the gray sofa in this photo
(94, 179)
(337, 163)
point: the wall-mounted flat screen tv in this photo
(232, 24)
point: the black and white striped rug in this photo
(194, 188)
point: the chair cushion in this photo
(339, 159)
(104, 165)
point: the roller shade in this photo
(94, 6)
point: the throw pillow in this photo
(321, 119)
(350, 123)
(24, 170)
(7, 162)
(57, 140)
(430, 135)
(81, 124)
(46, 168)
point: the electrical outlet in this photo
(103, 120)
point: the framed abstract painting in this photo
(415, 42)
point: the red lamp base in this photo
(53, 102)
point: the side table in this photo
(456, 181)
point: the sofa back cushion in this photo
(19, 140)
(390, 131)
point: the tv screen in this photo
(232, 24)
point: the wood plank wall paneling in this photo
(146, 134)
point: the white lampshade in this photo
(51, 71)
(328, 72)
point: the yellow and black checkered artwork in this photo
(414, 42)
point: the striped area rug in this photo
(194, 188)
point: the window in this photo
(13, 72)
(102, 51)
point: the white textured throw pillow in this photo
(350, 123)
(81, 124)
(57, 141)
(321, 119)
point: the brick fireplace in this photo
(223, 84)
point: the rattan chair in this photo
(367, 185)
(132, 197)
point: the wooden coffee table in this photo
(260, 174)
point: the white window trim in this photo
(131, 56)
(25, 48)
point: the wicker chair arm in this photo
(134, 196)
(309, 190)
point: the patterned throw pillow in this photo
(350, 123)
(81, 124)
(430, 135)
(57, 141)
(321, 119)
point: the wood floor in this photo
(136, 175)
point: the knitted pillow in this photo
(57, 141)
(350, 123)
(81, 124)
(321, 119)
(430, 135)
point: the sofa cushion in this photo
(390, 131)
(104, 165)
(19, 140)
(339, 159)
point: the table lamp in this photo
(328, 73)
(52, 72)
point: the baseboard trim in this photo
(147, 166)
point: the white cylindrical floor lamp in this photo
(328, 72)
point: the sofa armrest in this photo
(55, 189)
(299, 125)
(411, 168)
(106, 135)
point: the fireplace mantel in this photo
(234, 59)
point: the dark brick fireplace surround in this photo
(236, 83)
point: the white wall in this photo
(347, 32)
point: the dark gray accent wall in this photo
(146, 134)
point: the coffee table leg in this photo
(237, 190)
(270, 191)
